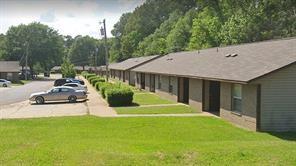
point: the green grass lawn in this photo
(174, 109)
(145, 98)
(90, 140)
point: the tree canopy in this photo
(156, 27)
(164, 26)
(43, 44)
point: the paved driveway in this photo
(21, 93)
(26, 110)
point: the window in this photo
(55, 90)
(65, 90)
(237, 98)
(159, 82)
(72, 85)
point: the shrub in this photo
(84, 73)
(98, 85)
(67, 69)
(104, 86)
(89, 75)
(94, 81)
(91, 78)
(119, 96)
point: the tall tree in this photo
(43, 44)
(2, 46)
(205, 30)
(133, 28)
(156, 43)
(151, 29)
(83, 50)
(179, 36)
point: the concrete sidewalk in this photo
(96, 104)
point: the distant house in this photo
(56, 69)
(101, 70)
(78, 69)
(9, 70)
(122, 70)
(252, 85)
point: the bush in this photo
(98, 85)
(94, 81)
(89, 75)
(104, 86)
(67, 69)
(119, 96)
(84, 73)
(91, 78)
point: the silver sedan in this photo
(58, 94)
(4, 83)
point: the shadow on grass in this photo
(61, 102)
(289, 136)
(132, 105)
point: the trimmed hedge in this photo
(87, 76)
(84, 73)
(104, 86)
(92, 78)
(119, 96)
(116, 94)
(97, 85)
(94, 81)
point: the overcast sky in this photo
(69, 17)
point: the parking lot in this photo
(14, 102)
(26, 110)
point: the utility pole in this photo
(96, 60)
(26, 61)
(103, 32)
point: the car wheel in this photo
(4, 85)
(72, 99)
(39, 100)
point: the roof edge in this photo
(268, 73)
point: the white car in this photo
(4, 83)
(76, 86)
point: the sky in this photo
(69, 17)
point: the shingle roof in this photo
(102, 68)
(131, 63)
(56, 68)
(252, 61)
(75, 67)
(9, 66)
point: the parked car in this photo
(76, 86)
(77, 81)
(62, 93)
(62, 81)
(4, 83)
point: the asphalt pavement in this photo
(22, 93)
